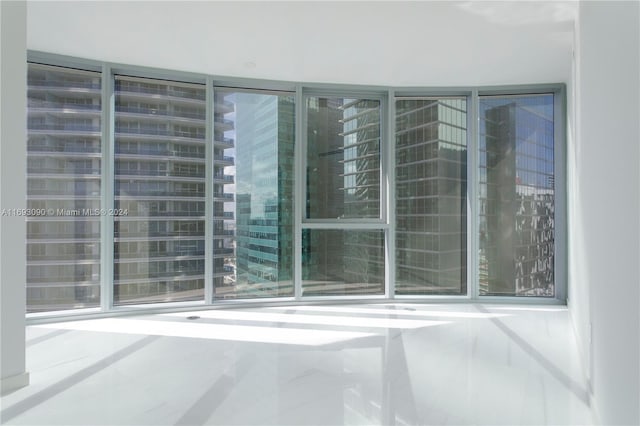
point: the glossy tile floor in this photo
(404, 364)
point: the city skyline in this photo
(160, 181)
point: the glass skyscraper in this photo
(517, 208)
(261, 255)
(343, 182)
(431, 200)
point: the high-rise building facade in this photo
(160, 184)
(262, 128)
(224, 198)
(64, 163)
(431, 200)
(517, 208)
(343, 182)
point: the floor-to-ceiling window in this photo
(343, 191)
(232, 190)
(64, 160)
(253, 178)
(517, 195)
(431, 196)
(160, 184)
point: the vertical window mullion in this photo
(107, 189)
(389, 177)
(299, 195)
(560, 187)
(473, 137)
(209, 291)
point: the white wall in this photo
(578, 279)
(387, 43)
(13, 86)
(605, 227)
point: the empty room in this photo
(320, 213)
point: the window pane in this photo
(343, 158)
(340, 262)
(517, 196)
(253, 194)
(431, 196)
(160, 183)
(63, 183)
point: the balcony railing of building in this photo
(63, 106)
(224, 159)
(57, 193)
(64, 127)
(161, 173)
(223, 234)
(224, 178)
(224, 106)
(66, 150)
(228, 142)
(159, 256)
(165, 214)
(223, 215)
(161, 112)
(158, 235)
(223, 195)
(224, 121)
(64, 259)
(226, 270)
(183, 94)
(164, 153)
(64, 84)
(159, 276)
(160, 194)
(223, 124)
(65, 237)
(77, 172)
(159, 132)
(222, 251)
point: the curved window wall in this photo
(155, 188)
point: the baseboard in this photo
(13, 383)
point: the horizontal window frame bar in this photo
(186, 307)
(345, 224)
(349, 92)
(431, 98)
(521, 90)
(254, 90)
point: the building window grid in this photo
(534, 159)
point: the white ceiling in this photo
(389, 43)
